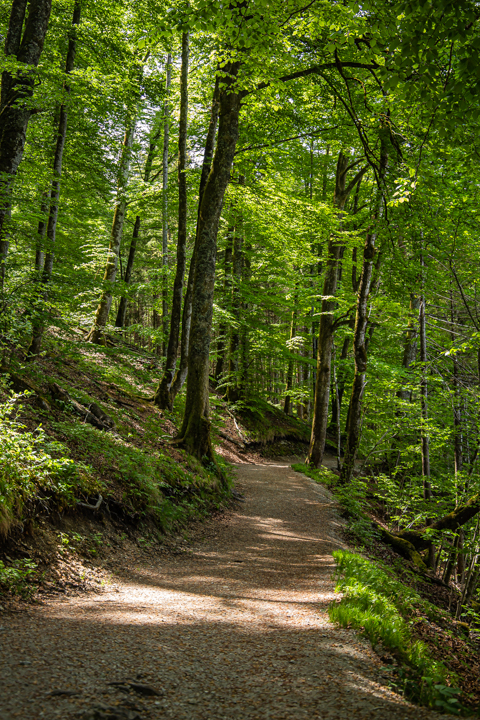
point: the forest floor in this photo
(232, 624)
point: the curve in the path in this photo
(236, 629)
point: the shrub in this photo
(31, 464)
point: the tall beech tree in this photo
(370, 260)
(51, 224)
(163, 397)
(328, 323)
(25, 44)
(182, 370)
(194, 434)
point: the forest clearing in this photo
(240, 359)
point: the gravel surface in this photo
(237, 627)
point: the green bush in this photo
(31, 464)
(14, 578)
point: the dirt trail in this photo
(238, 628)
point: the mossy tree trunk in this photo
(163, 397)
(194, 435)
(16, 101)
(182, 370)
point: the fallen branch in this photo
(458, 517)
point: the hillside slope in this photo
(89, 463)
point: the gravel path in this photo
(235, 629)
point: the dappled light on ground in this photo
(235, 628)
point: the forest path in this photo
(235, 629)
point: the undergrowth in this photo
(33, 466)
(382, 607)
(151, 481)
(14, 577)
(38, 471)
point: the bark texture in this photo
(326, 331)
(163, 397)
(182, 371)
(16, 106)
(12, 44)
(234, 355)
(223, 328)
(195, 432)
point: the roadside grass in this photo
(375, 602)
(383, 608)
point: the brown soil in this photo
(236, 626)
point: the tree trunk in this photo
(234, 357)
(181, 374)
(457, 408)
(122, 307)
(223, 328)
(38, 325)
(16, 101)
(163, 397)
(245, 336)
(195, 432)
(96, 334)
(287, 406)
(341, 381)
(12, 44)
(40, 241)
(359, 335)
(454, 520)
(410, 346)
(166, 139)
(182, 370)
(327, 323)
